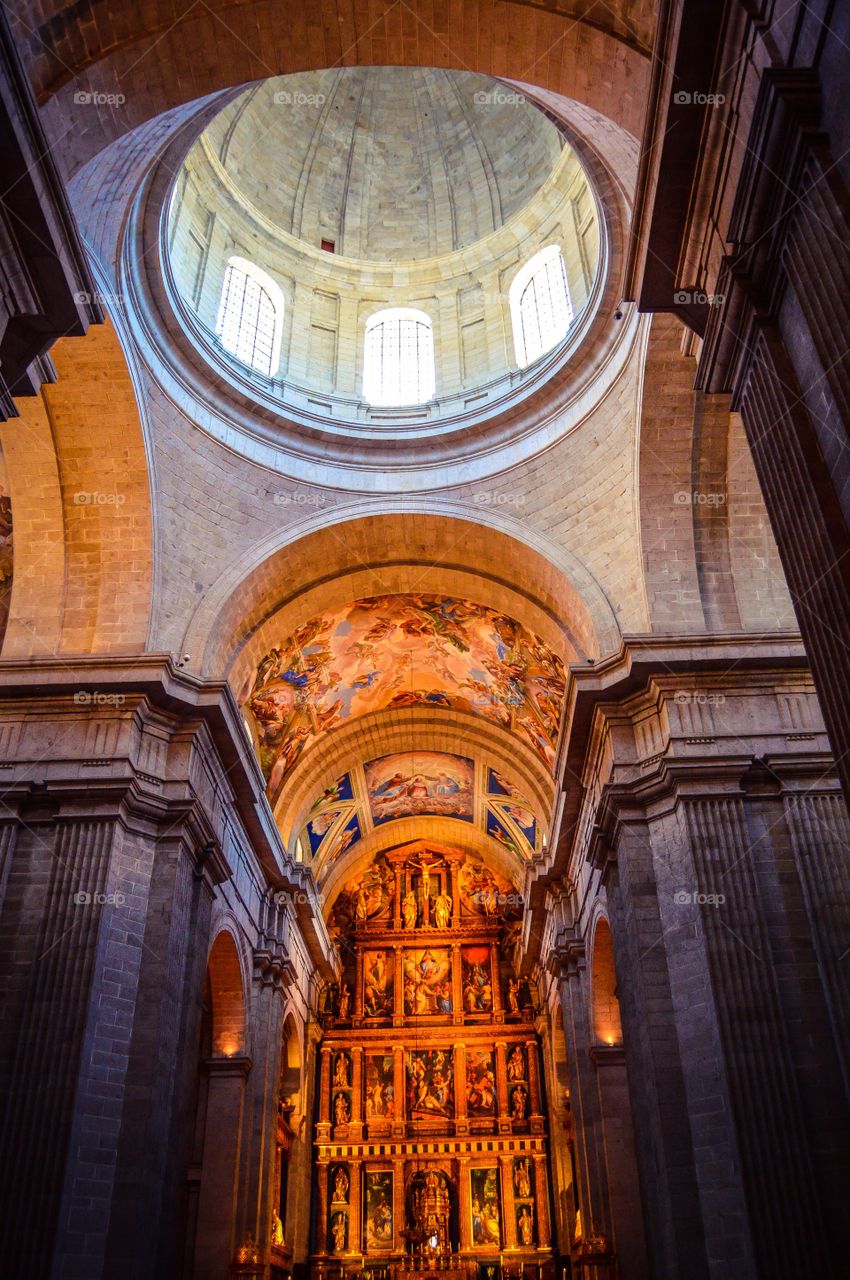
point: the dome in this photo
(387, 164)
(347, 245)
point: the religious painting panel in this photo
(368, 897)
(477, 983)
(480, 1083)
(485, 1208)
(378, 1210)
(379, 1086)
(378, 984)
(497, 829)
(415, 783)
(485, 894)
(318, 827)
(427, 981)
(430, 1084)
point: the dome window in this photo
(398, 361)
(250, 316)
(541, 309)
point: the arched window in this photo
(398, 360)
(541, 309)
(250, 316)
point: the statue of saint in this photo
(516, 1065)
(277, 1228)
(443, 911)
(341, 1080)
(518, 1103)
(513, 996)
(361, 906)
(342, 1114)
(338, 1233)
(522, 1179)
(408, 910)
(526, 1227)
(344, 1006)
(341, 1186)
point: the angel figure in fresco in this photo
(342, 1115)
(338, 1233)
(443, 911)
(513, 996)
(522, 1179)
(341, 1187)
(518, 1101)
(516, 1065)
(408, 909)
(526, 1227)
(344, 1006)
(341, 1080)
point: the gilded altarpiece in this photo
(431, 1142)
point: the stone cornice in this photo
(153, 686)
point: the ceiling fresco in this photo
(402, 651)
(419, 784)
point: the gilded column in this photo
(323, 1127)
(398, 987)
(541, 1202)
(461, 1120)
(502, 1088)
(355, 1129)
(465, 1204)
(508, 1208)
(535, 1101)
(354, 1210)
(498, 1006)
(322, 1208)
(358, 987)
(397, 898)
(457, 984)
(399, 1089)
(398, 1205)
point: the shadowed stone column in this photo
(724, 971)
(215, 1239)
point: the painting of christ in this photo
(430, 1084)
(420, 782)
(427, 981)
(378, 984)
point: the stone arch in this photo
(604, 1003)
(414, 536)
(135, 65)
(227, 994)
(78, 475)
(291, 1060)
